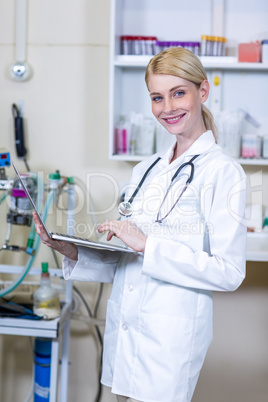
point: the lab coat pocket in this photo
(166, 349)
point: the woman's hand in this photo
(127, 231)
(67, 249)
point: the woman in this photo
(187, 225)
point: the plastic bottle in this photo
(204, 40)
(42, 366)
(46, 299)
(122, 135)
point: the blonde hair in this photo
(185, 64)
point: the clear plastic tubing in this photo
(29, 263)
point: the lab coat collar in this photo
(200, 146)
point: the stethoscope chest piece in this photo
(125, 209)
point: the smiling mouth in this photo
(173, 120)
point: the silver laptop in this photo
(71, 239)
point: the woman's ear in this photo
(204, 90)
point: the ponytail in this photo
(209, 121)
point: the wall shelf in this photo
(257, 246)
(222, 63)
(129, 158)
(253, 162)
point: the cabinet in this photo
(241, 84)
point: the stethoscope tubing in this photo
(143, 179)
(189, 180)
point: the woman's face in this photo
(176, 103)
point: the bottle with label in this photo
(123, 133)
(46, 298)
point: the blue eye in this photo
(156, 98)
(179, 93)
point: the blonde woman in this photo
(185, 220)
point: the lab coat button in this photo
(130, 288)
(124, 327)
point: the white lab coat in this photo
(159, 315)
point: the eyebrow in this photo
(171, 90)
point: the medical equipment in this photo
(20, 213)
(20, 210)
(135, 135)
(34, 248)
(57, 186)
(4, 158)
(69, 238)
(251, 145)
(189, 180)
(126, 209)
(192, 46)
(123, 136)
(212, 45)
(138, 45)
(19, 132)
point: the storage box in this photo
(249, 52)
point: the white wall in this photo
(66, 116)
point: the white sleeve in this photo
(223, 267)
(93, 265)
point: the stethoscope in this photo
(126, 208)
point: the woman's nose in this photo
(169, 106)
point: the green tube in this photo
(3, 198)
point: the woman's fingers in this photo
(39, 228)
(68, 249)
(125, 230)
(110, 235)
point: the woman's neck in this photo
(181, 146)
